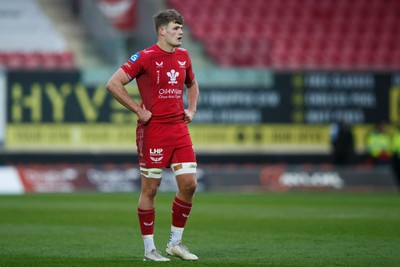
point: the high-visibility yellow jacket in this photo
(379, 144)
(396, 143)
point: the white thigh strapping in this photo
(151, 172)
(183, 168)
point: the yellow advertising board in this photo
(56, 112)
(268, 138)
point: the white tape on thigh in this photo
(183, 168)
(151, 173)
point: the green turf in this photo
(224, 229)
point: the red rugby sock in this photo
(146, 220)
(180, 212)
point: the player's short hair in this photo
(163, 18)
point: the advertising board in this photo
(40, 178)
(54, 111)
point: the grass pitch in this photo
(224, 229)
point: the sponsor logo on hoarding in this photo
(49, 179)
(279, 177)
(317, 179)
(115, 180)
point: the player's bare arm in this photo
(116, 86)
(192, 93)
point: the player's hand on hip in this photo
(144, 115)
(189, 115)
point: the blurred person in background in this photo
(378, 143)
(342, 143)
(395, 160)
(162, 136)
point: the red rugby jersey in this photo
(161, 77)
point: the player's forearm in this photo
(192, 94)
(116, 86)
(120, 93)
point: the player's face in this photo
(174, 34)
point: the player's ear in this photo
(162, 30)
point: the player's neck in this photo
(165, 47)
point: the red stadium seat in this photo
(15, 60)
(318, 34)
(37, 60)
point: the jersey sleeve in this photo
(189, 72)
(133, 66)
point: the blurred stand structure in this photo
(30, 40)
